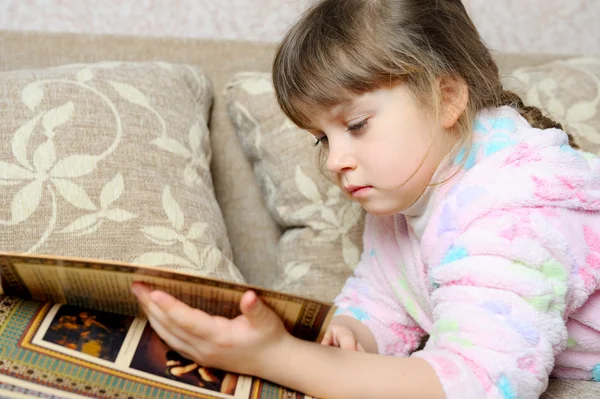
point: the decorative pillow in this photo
(568, 91)
(111, 161)
(321, 242)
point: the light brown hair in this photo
(343, 48)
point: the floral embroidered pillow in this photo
(111, 161)
(568, 91)
(322, 229)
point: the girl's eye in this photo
(357, 127)
(321, 140)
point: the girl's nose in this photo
(340, 158)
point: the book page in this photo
(64, 351)
(129, 348)
(106, 286)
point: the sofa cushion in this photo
(322, 229)
(111, 161)
(568, 91)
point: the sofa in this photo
(221, 183)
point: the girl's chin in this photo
(381, 210)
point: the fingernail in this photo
(135, 289)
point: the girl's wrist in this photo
(273, 360)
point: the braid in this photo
(532, 114)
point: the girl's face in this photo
(383, 148)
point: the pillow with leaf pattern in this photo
(566, 90)
(322, 229)
(111, 161)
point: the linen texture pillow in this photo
(568, 91)
(322, 229)
(111, 161)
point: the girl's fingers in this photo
(259, 315)
(191, 347)
(142, 292)
(193, 321)
(346, 340)
(181, 319)
(154, 312)
(171, 339)
(341, 337)
(327, 338)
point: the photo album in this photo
(71, 328)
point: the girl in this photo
(483, 225)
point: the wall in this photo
(532, 26)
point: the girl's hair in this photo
(341, 48)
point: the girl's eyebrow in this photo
(347, 107)
(340, 110)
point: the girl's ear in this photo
(455, 97)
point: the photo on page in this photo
(129, 347)
(94, 333)
(155, 357)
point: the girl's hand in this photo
(243, 345)
(342, 337)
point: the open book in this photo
(71, 328)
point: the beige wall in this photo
(534, 26)
(538, 26)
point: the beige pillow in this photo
(321, 242)
(568, 91)
(111, 161)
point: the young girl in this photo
(483, 225)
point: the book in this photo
(71, 328)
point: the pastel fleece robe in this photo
(501, 270)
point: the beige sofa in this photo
(253, 228)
